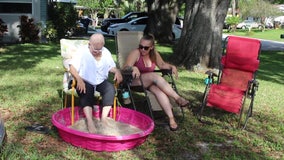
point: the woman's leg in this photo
(164, 102)
(152, 78)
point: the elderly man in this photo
(90, 69)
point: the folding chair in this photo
(125, 42)
(70, 47)
(236, 79)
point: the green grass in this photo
(31, 78)
(269, 34)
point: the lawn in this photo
(268, 34)
(31, 80)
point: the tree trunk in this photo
(201, 38)
(162, 15)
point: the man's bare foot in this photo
(91, 127)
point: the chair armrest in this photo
(127, 75)
(210, 78)
(164, 71)
(211, 73)
(252, 87)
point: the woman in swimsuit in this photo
(143, 60)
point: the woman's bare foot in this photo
(182, 102)
(172, 124)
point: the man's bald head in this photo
(97, 39)
(96, 43)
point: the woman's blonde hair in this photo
(152, 53)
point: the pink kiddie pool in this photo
(96, 142)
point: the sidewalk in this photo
(92, 30)
(268, 45)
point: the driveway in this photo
(267, 45)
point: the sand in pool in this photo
(109, 127)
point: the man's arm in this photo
(117, 75)
(80, 83)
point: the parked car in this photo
(226, 25)
(139, 24)
(126, 18)
(249, 23)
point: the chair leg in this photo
(64, 100)
(203, 104)
(148, 104)
(131, 97)
(179, 111)
(248, 114)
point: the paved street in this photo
(266, 45)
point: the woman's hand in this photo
(135, 72)
(174, 71)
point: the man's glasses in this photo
(96, 50)
(144, 47)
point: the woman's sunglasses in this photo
(144, 47)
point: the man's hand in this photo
(81, 86)
(117, 76)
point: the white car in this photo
(138, 24)
(249, 23)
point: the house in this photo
(11, 10)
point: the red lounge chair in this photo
(236, 79)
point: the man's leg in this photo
(87, 101)
(107, 92)
(89, 117)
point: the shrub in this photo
(3, 29)
(233, 22)
(62, 17)
(50, 32)
(29, 32)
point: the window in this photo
(16, 8)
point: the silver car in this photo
(249, 24)
(139, 24)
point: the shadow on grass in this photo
(193, 140)
(271, 67)
(27, 56)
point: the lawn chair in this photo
(236, 79)
(70, 47)
(125, 42)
